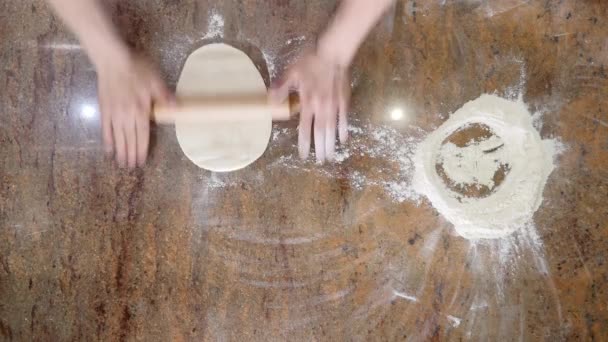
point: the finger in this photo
(119, 143)
(161, 94)
(304, 130)
(106, 130)
(331, 122)
(142, 133)
(143, 104)
(343, 104)
(131, 136)
(319, 130)
(330, 135)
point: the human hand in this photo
(127, 90)
(324, 89)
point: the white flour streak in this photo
(296, 40)
(215, 182)
(271, 64)
(454, 320)
(215, 25)
(405, 296)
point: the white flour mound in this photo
(516, 143)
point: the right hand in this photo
(126, 94)
(324, 89)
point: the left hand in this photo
(127, 90)
(324, 89)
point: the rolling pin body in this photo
(219, 109)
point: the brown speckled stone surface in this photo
(172, 252)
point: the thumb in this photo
(279, 92)
(161, 94)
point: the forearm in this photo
(352, 23)
(94, 29)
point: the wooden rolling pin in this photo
(220, 109)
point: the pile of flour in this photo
(474, 164)
(515, 143)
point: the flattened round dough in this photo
(222, 70)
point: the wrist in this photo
(106, 54)
(337, 51)
(351, 24)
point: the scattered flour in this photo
(271, 64)
(296, 40)
(277, 133)
(215, 26)
(392, 150)
(341, 155)
(516, 143)
(455, 321)
(216, 181)
(271, 56)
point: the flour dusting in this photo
(287, 58)
(296, 40)
(271, 64)
(215, 26)
(387, 147)
(278, 133)
(216, 181)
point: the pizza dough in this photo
(222, 70)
